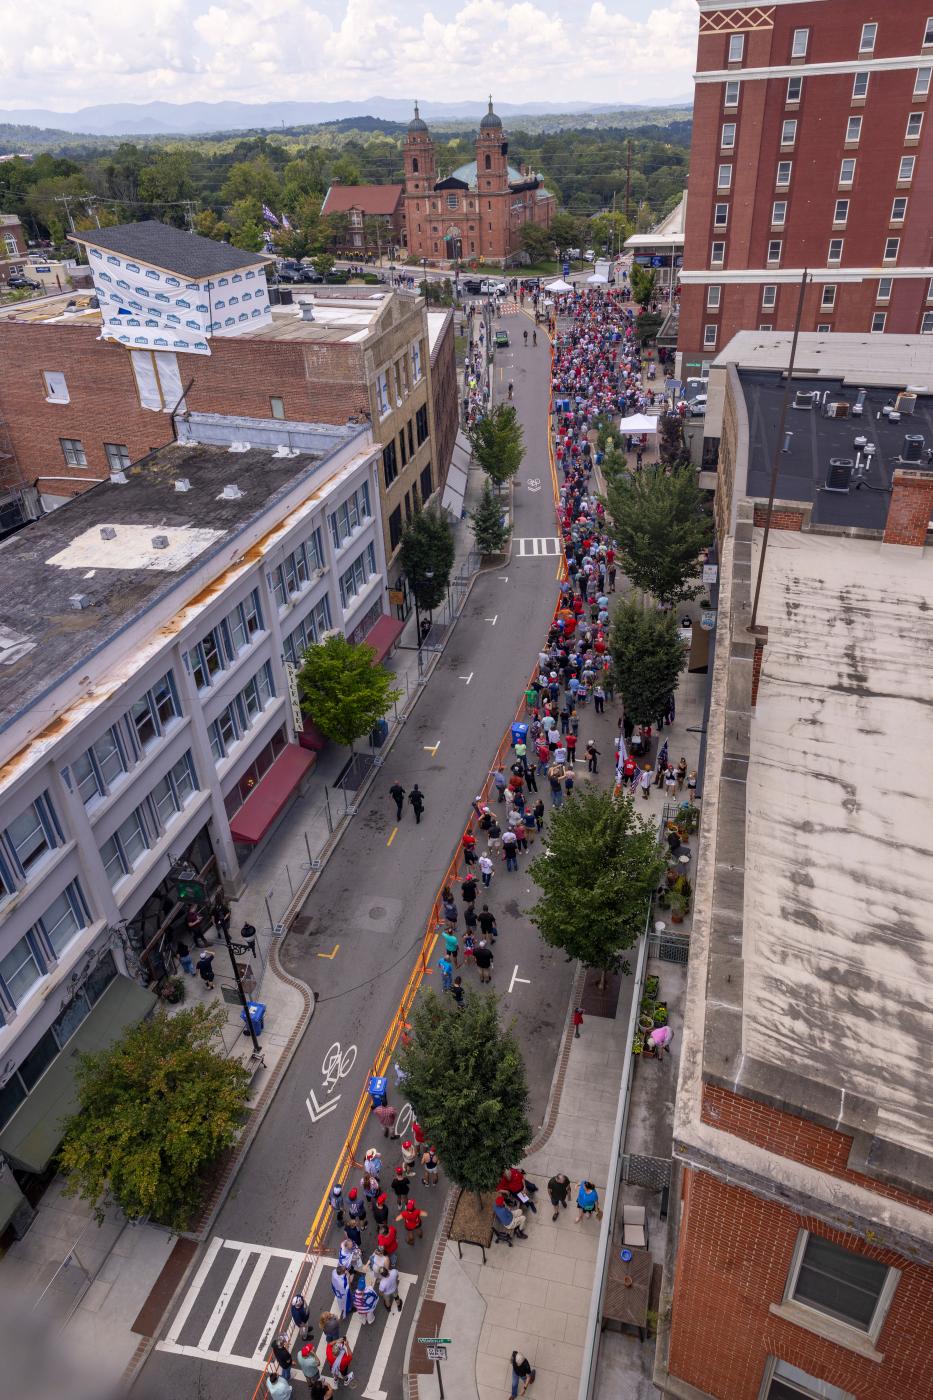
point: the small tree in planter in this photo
(489, 530)
(343, 689)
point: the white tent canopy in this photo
(557, 287)
(597, 280)
(639, 423)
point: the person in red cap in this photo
(381, 1212)
(408, 1156)
(356, 1209)
(411, 1217)
(388, 1243)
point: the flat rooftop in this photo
(837, 936)
(817, 440)
(891, 361)
(44, 636)
(336, 318)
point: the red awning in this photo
(270, 795)
(383, 635)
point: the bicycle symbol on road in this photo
(406, 1116)
(533, 483)
(337, 1064)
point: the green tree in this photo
(671, 445)
(427, 547)
(643, 282)
(207, 224)
(246, 224)
(437, 293)
(167, 179)
(323, 264)
(155, 1110)
(346, 171)
(647, 659)
(565, 231)
(489, 530)
(537, 242)
(499, 443)
(466, 1081)
(596, 880)
(255, 180)
(647, 325)
(343, 689)
(661, 527)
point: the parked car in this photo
(472, 286)
(696, 408)
(308, 274)
(501, 340)
(490, 285)
(590, 254)
(17, 280)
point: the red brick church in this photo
(478, 211)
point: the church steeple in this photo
(420, 167)
(491, 154)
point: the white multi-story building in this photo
(145, 717)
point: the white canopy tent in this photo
(597, 280)
(555, 288)
(638, 423)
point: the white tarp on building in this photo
(155, 310)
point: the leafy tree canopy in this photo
(466, 1080)
(489, 530)
(643, 282)
(343, 689)
(498, 442)
(155, 1110)
(427, 546)
(647, 657)
(661, 527)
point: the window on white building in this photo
(20, 970)
(32, 835)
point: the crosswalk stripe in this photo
(530, 546)
(243, 1307)
(197, 1283)
(226, 1293)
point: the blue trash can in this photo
(257, 1014)
(519, 733)
(378, 1089)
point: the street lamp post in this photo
(427, 575)
(257, 1048)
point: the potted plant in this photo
(671, 876)
(660, 1014)
(652, 986)
(172, 990)
(678, 909)
(684, 890)
(638, 1044)
(689, 819)
(664, 899)
(646, 1020)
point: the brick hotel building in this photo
(812, 148)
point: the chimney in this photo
(307, 308)
(911, 508)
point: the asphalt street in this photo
(367, 916)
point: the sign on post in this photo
(710, 573)
(291, 673)
(436, 1353)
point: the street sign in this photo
(436, 1353)
(291, 675)
(430, 1341)
(566, 269)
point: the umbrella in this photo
(559, 286)
(639, 423)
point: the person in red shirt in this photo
(469, 846)
(411, 1217)
(418, 1132)
(514, 1181)
(387, 1241)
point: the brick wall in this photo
(734, 1254)
(780, 519)
(786, 1135)
(910, 509)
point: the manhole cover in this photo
(377, 911)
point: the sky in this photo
(63, 56)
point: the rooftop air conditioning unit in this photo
(182, 484)
(839, 475)
(805, 399)
(906, 402)
(107, 532)
(912, 450)
(160, 542)
(839, 408)
(306, 305)
(231, 492)
(79, 601)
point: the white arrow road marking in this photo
(493, 620)
(516, 978)
(432, 748)
(503, 578)
(467, 678)
(318, 1110)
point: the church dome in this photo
(490, 122)
(416, 124)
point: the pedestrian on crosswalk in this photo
(340, 1361)
(277, 1386)
(388, 1241)
(340, 1287)
(388, 1288)
(283, 1356)
(301, 1317)
(308, 1363)
(329, 1324)
(365, 1301)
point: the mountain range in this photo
(192, 118)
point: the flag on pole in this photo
(268, 215)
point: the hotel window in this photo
(63, 920)
(905, 171)
(859, 87)
(125, 848)
(768, 296)
(389, 463)
(224, 732)
(877, 321)
(348, 517)
(926, 323)
(848, 1287)
(731, 96)
(720, 216)
(922, 82)
(789, 132)
(782, 179)
(154, 711)
(798, 47)
(892, 246)
(308, 632)
(779, 213)
(356, 577)
(20, 970)
(713, 298)
(724, 177)
(841, 212)
(73, 452)
(774, 251)
(835, 250)
(736, 47)
(794, 91)
(277, 407)
(782, 1381)
(899, 209)
(245, 621)
(928, 33)
(172, 792)
(914, 126)
(31, 835)
(709, 337)
(884, 289)
(206, 658)
(717, 255)
(847, 172)
(727, 138)
(828, 299)
(56, 387)
(867, 41)
(853, 130)
(382, 393)
(257, 693)
(99, 767)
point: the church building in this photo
(478, 211)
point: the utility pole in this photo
(628, 181)
(63, 199)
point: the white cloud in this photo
(259, 50)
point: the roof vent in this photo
(238, 447)
(231, 492)
(307, 308)
(859, 406)
(839, 475)
(118, 478)
(182, 484)
(160, 542)
(79, 601)
(107, 532)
